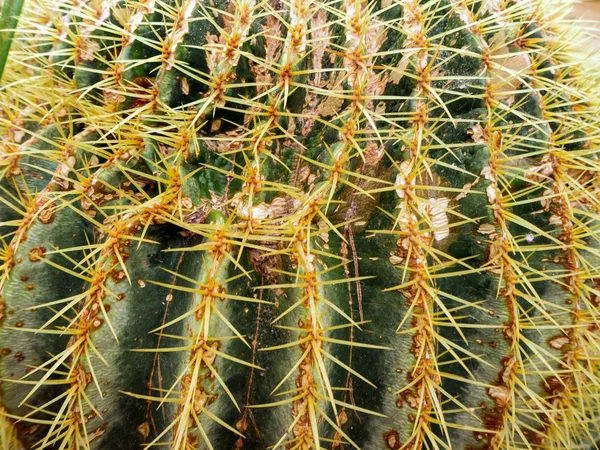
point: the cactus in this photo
(299, 224)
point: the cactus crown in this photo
(298, 224)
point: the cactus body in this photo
(298, 224)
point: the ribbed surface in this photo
(298, 224)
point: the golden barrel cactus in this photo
(298, 224)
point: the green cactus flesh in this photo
(300, 224)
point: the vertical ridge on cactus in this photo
(299, 224)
